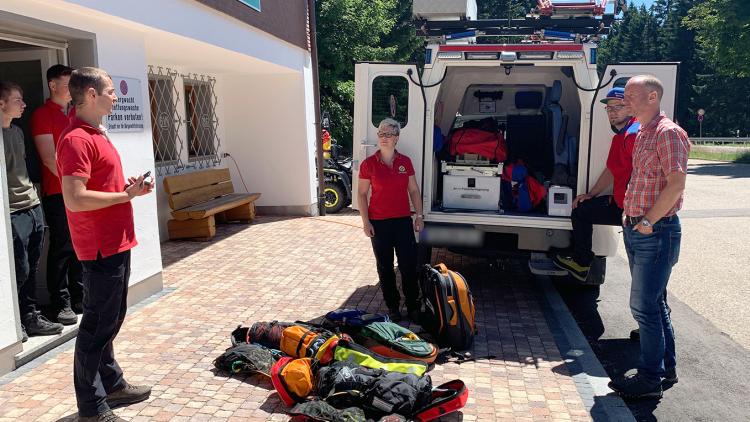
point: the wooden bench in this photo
(200, 198)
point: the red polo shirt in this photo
(86, 151)
(50, 119)
(389, 185)
(620, 159)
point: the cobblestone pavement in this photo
(298, 269)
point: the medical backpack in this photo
(447, 307)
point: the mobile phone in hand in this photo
(146, 176)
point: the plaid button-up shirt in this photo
(661, 148)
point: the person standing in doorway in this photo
(652, 234)
(26, 217)
(63, 268)
(388, 176)
(592, 207)
(97, 198)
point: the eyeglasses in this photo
(614, 108)
(387, 135)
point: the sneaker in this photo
(37, 325)
(635, 335)
(634, 386)
(66, 316)
(77, 307)
(128, 395)
(670, 376)
(569, 264)
(107, 416)
(24, 336)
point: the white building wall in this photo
(269, 130)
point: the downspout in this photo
(316, 94)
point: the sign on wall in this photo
(255, 4)
(127, 114)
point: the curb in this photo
(587, 372)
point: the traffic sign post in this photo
(701, 114)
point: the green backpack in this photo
(394, 341)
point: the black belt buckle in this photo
(632, 221)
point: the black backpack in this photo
(447, 307)
(377, 391)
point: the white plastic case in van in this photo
(471, 192)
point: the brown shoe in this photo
(107, 416)
(128, 395)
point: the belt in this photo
(632, 221)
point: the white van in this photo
(543, 98)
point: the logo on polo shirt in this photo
(401, 169)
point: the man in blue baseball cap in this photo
(592, 207)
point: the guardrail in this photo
(720, 141)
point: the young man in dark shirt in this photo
(26, 217)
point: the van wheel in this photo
(335, 198)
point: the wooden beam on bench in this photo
(199, 195)
(215, 206)
(244, 213)
(201, 229)
(187, 181)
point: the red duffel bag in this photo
(477, 141)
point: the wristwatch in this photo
(644, 222)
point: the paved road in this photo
(709, 296)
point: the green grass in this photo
(736, 157)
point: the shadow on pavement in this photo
(730, 170)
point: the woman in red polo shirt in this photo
(389, 177)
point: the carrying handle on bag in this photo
(442, 268)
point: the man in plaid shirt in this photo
(652, 234)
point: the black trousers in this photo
(600, 210)
(396, 234)
(95, 370)
(28, 238)
(64, 271)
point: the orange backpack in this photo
(293, 379)
(448, 307)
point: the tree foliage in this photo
(723, 34)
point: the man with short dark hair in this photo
(26, 217)
(97, 198)
(652, 234)
(63, 268)
(592, 207)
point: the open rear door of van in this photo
(385, 90)
(604, 242)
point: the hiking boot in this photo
(107, 416)
(37, 325)
(670, 376)
(635, 386)
(77, 307)
(66, 316)
(24, 336)
(128, 395)
(569, 264)
(635, 335)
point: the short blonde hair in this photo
(392, 124)
(652, 83)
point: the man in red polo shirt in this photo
(100, 214)
(591, 208)
(63, 268)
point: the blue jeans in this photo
(651, 258)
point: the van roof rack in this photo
(548, 21)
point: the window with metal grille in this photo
(165, 122)
(390, 99)
(201, 120)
